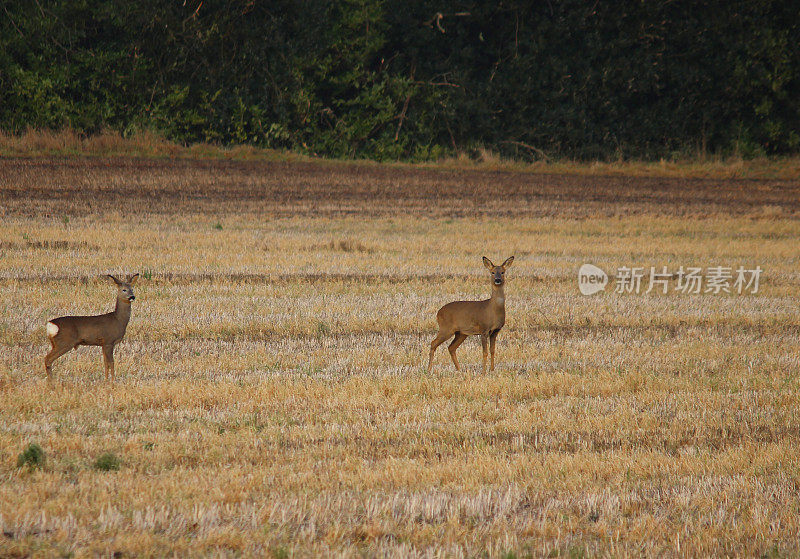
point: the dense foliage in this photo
(412, 79)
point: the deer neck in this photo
(122, 311)
(498, 296)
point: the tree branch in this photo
(529, 147)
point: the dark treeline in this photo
(413, 79)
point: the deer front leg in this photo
(108, 358)
(485, 346)
(492, 340)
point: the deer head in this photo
(498, 272)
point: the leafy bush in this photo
(33, 457)
(399, 79)
(106, 462)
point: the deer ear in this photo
(132, 278)
(509, 261)
(487, 263)
(115, 279)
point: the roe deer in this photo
(105, 330)
(474, 318)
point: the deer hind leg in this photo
(492, 340)
(457, 341)
(485, 346)
(57, 351)
(437, 341)
(108, 358)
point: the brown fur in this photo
(105, 330)
(474, 318)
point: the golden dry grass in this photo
(146, 143)
(109, 143)
(273, 399)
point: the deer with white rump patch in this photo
(474, 318)
(105, 330)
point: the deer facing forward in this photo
(105, 330)
(474, 318)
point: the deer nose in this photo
(132, 298)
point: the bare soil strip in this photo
(75, 186)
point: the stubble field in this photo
(272, 397)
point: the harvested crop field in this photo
(272, 395)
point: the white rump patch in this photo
(52, 330)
